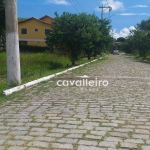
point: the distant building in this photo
(33, 31)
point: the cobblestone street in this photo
(49, 117)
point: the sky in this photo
(124, 16)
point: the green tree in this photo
(121, 39)
(2, 25)
(139, 40)
(75, 34)
(144, 25)
(90, 34)
(65, 35)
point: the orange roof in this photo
(40, 19)
(45, 17)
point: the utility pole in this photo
(12, 43)
(106, 7)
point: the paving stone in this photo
(87, 142)
(140, 141)
(86, 127)
(33, 149)
(148, 142)
(20, 128)
(46, 139)
(75, 136)
(49, 125)
(90, 124)
(102, 133)
(67, 140)
(142, 131)
(78, 131)
(55, 135)
(93, 137)
(2, 147)
(81, 147)
(128, 145)
(39, 129)
(74, 122)
(37, 133)
(2, 141)
(28, 138)
(62, 146)
(119, 134)
(80, 117)
(108, 144)
(5, 137)
(15, 142)
(146, 147)
(67, 126)
(109, 124)
(124, 130)
(104, 128)
(140, 136)
(33, 124)
(17, 148)
(113, 139)
(18, 132)
(38, 144)
(60, 130)
(57, 121)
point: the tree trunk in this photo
(12, 43)
(95, 54)
(73, 62)
(89, 56)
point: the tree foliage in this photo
(76, 34)
(139, 41)
(144, 25)
(121, 39)
(2, 25)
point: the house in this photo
(33, 31)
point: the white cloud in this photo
(123, 33)
(134, 14)
(116, 5)
(58, 2)
(140, 6)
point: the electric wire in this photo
(74, 6)
(79, 6)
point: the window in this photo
(47, 31)
(36, 30)
(23, 31)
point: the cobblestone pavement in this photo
(49, 117)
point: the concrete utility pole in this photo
(12, 43)
(106, 7)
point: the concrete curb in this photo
(26, 85)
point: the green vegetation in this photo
(36, 65)
(22, 19)
(2, 26)
(138, 42)
(79, 34)
(75, 37)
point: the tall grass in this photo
(34, 66)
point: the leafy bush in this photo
(77, 34)
(33, 49)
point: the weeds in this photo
(36, 65)
(33, 66)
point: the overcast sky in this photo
(124, 16)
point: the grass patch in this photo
(36, 65)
